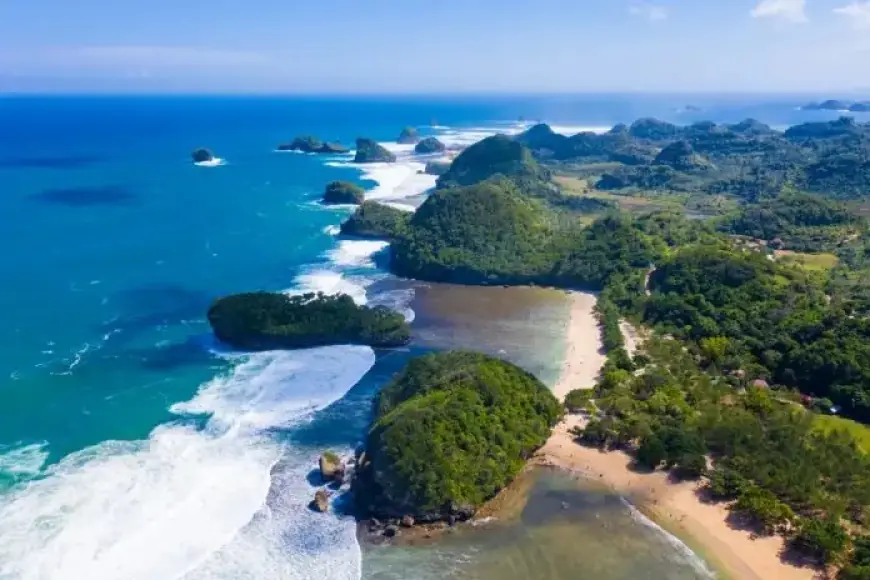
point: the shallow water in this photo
(569, 529)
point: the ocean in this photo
(134, 446)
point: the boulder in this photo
(202, 156)
(391, 531)
(437, 167)
(429, 145)
(408, 136)
(408, 521)
(320, 503)
(310, 144)
(331, 468)
(368, 151)
(343, 192)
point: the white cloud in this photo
(649, 11)
(791, 10)
(857, 12)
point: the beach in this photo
(584, 353)
(677, 507)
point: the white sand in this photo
(584, 355)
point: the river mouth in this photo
(557, 526)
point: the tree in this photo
(765, 509)
(714, 348)
(824, 539)
(651, 452)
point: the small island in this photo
(377, 221)
(369, 151)
(839, 106)
(268, 320)
(408, 136)
(343, 193)
(421, 463)
(312, 145)
(202, 156)
(429, 145)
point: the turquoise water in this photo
(131, 444)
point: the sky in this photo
(435, 46)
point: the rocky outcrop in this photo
(312, 145)
(202, 156)
(343, 192)
(368, 151)
(408, 136)
(437, 167)
(320, 503)
(331, 468)
(429, 145)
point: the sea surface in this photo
(132, 445)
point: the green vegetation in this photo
(376, 220)
(485, 233)
(264, 320)
(781, 473)
(828, 424)
(802, 223)
(496, 155)
(746, 161)
(343, 192)
(369, 151)
(450, 431)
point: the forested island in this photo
(450, 431)
(268, 320)
(760, 311)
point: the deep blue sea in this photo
(132, 446)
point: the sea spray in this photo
(163, 507)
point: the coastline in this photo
(677, 507)
(584, 352)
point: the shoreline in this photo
(584, 351)
(675, 506)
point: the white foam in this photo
(330, 282)
(682, 550)
(24, 461)
(213, 162)
(165, 506)
(575, 129)
(332, 230)
(398, 180)
(356, 253)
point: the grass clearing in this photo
(817, 262)
(830, 423)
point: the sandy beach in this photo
(584, 354)
(675, 506)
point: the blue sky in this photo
(380, 46)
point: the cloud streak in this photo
(857, 12)
(651, 12)
(789, 10)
